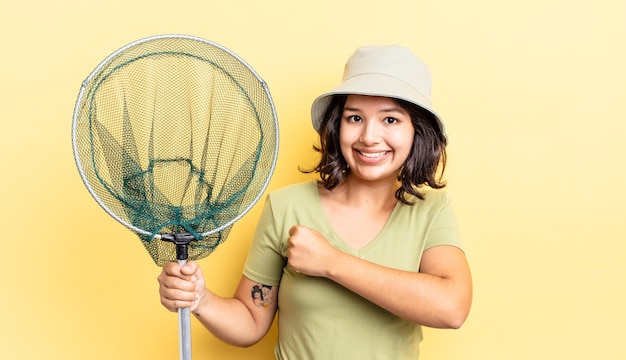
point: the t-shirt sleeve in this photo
(265, 260)
(444, 229)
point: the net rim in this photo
(106, 61)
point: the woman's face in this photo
(376, 137)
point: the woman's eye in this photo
(354, 118)
(390, 120)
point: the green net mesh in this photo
(175, 134)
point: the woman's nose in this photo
(370, 133)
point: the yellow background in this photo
(532, 93)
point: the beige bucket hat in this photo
(390, 71)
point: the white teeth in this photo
(374, 155)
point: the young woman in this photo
(358, 261)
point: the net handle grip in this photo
(181, 240)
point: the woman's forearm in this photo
(434, 300)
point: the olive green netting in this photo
(175, 135)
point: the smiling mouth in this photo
(375, 155)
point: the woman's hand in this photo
(309, 252)
(181, 287)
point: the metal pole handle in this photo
(184, 328)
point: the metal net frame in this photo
(175, 135)
(176, 138)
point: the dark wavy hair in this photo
(424, 166)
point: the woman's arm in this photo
(439, 295)
(241, 320)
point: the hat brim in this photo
(372, 85)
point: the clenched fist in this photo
(309, 252)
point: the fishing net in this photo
(176, 138)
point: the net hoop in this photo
(76, 117)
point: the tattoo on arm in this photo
(262, 295)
